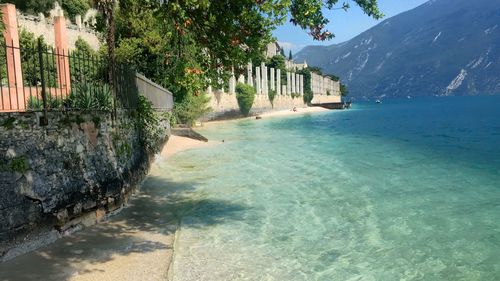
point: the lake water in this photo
(404, 190)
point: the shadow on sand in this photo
(154, 212)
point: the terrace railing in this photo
(41, 78)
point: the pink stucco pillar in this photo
(15, 99)
(63, 72)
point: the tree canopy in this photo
(187, 45)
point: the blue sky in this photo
(345, 25)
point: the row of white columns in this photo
(322, 85)
(263, 83)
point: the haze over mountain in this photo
(443, 47)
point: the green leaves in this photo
(308, 14)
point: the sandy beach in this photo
(290, 112)
(177, 144)
(272, 114)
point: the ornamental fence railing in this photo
(42, 78)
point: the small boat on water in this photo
(378, 101)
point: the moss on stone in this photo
(9, 123)
(68, 120)
(97, 121)
(19, 164)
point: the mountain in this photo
(443, 47)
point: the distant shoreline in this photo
(177, 144)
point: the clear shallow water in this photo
(406, 190)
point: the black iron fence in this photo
(41, 78)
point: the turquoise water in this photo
(406, 190)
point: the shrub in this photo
(190, 109)
(295, 95)
(30, 61)
(245, 94)
(271, 95)
(149, 125)
(328, 93)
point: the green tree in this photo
(316, 70)
(32, 6)
(30, 60)
(278, 62)
(75, 7)
(290, 57)
(71, 7)
(187, 45)
(107, 10)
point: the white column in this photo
(293, 83)
(320, 85)
(278, 81)
(232, 82)
(297, 84)
(273, 84)
(313, 83)
(241, 79)
(288, 83)
(257, 80)
(301, 85)
(264, 84)
(249, 74)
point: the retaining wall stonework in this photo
(46, 29)
(225, 105)
(58, 178)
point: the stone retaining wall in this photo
(45, 28)
(58, 178)
(226, 105)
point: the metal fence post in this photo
(44, 121)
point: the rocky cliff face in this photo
(57, 178)
(444, 47)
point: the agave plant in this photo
(103, 97)
(91, 96)
(35, 104)
(55, 102)
(82, 98)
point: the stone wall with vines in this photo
(58, 178)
